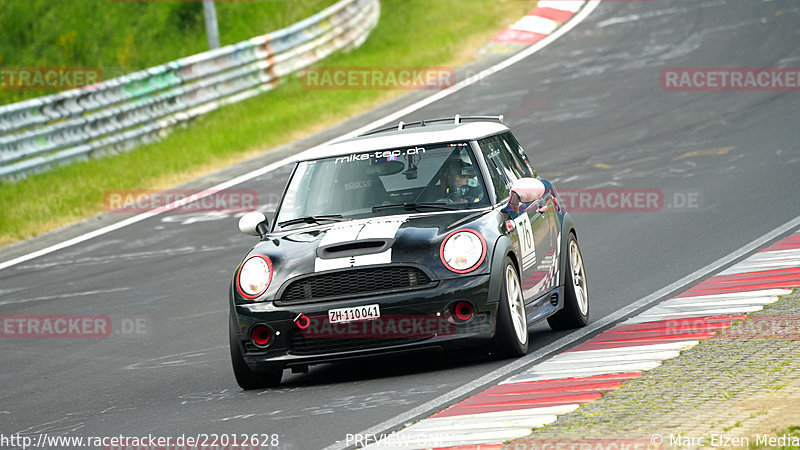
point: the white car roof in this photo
(410, 137)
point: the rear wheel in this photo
(575, 313)
(511, 336)
(246, 377)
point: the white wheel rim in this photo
(578, 277)
(515, 305)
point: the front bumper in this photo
(410, 321)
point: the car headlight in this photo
(254, 276)
(463, 251)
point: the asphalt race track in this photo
(590, 112)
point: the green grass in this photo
(122, 36)
(410, 33)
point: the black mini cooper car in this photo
(435, 234)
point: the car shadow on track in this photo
(417, 363)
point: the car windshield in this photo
(381, 182)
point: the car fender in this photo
(502, 247)
(567, 227)
(232, 307)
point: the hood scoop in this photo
(354, 248)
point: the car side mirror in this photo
(254, 223)
(525, 190)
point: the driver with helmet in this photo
(459, 179)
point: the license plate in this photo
(366, 312)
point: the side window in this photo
(500, 171)
(517, 156)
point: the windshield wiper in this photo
(312, 219)
(415, 206)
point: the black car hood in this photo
(413, 239)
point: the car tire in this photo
(511, 335)
(246, 377)
(575, 313)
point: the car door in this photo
(549, 238)
(531, 228)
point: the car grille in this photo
(303, 345)
(359, 282)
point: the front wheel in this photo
(575, 313)
(511, 336)
(246, 377)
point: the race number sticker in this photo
(525, 234)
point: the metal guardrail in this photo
(119, 114)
